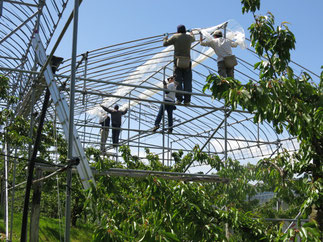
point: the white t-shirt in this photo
(170, 96)
(221, 46)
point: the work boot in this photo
(170, 130)
(155, 128)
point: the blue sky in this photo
(103, 23)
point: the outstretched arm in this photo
(201, 37)
(205, 42)
(125, 111)
(106, 109)
(167, 42)
(165, 86)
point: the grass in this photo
(49, 230)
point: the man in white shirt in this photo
(222, 48)
(105, 122)
(169, 98)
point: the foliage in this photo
(150, 209)
(250, 5)
(51, 230)
(156, 209)
(16, 134)
(290, 103)
(4, 90)
(274, 43)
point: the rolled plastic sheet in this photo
(156, 64)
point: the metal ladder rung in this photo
(62, 109)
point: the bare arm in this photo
(205, 42)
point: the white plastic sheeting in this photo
(154, 67)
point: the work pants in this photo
(104, 137)
(224, 71)
(169, 108)
(115, 135)
(183, 77)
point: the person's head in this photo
(170, 79)
(181, 28)
(116, 107)
(217, 34)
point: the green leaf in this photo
(170, 236)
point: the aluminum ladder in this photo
(62, 109)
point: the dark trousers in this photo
(169, 109)
(183, 77)
(224, 71)
(115, 135)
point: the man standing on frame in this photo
(105, 122)
(222, 48)
(116, 122)
(170, 99)
(182, 62)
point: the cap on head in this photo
(217, 33)
(116, 107)
(171, 77)
(181, 29)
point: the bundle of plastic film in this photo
(235, 32)
(155, 64)
(97, 111)
(207, 32)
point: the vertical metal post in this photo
(84, 101)
(117, 154)
(225, 30)
(13, 193)
(129, 114)
(225, 135)
(85, 74)
(1, 5)
(171, 150)
(226, 157)
(139, 127)
(57, 179)
(209, 145)
(6, 161)
(163, 129)
(71, 123)
(258, 133)
(168, 164)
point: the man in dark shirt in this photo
(116, 122)
(182, 50)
